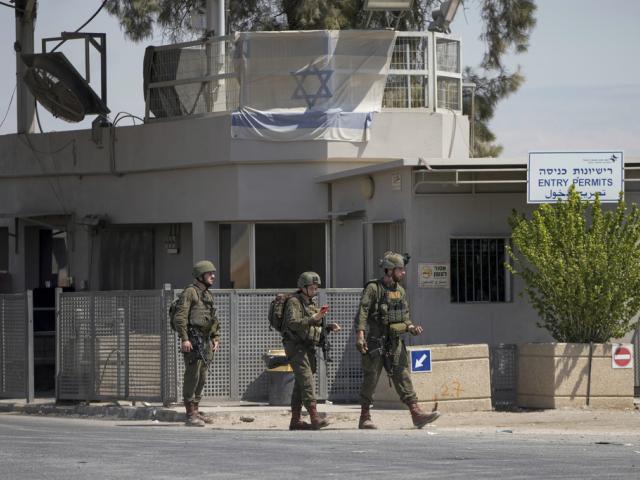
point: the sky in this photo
(582, 88)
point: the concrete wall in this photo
(557, 375)
(434, 220)
(459, 380)
(192, 172)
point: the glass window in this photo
(448, 55)
(477, 270)
(283, 251)
(449, 91)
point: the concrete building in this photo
(133, 207)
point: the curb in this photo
(129, 412)
(100, 411)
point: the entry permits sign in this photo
(421, 360)
(550, 174)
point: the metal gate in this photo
(113, 345)
(16, 346)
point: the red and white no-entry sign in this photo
(622, 356)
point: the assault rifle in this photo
(324, 343)
(383, 347)
(198, 345)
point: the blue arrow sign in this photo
(421, 360)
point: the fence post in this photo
(29, 393)
(167, 346)
(234, 347)
(58, 340)
(91, 390)
(322, 365)
(127, 333)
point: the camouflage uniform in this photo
(384, 315)
(382, 306)
(196, 308)
(300, 336)
(300, 339)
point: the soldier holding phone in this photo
(303, 328)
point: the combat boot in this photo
(201, 415)
(192, 418)
(420, 418)
(316, 422)
(365, 419)
(296, 421)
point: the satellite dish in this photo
(57, 85)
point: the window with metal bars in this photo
(478, 274)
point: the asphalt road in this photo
(70, 448)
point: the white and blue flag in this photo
(310, 85)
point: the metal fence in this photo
(118, 345)
(503, 361)
(113, 345)
(238, 369)
(16, 346)
(190, 78)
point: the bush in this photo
(581, 267)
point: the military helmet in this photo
(308, 278)
(202, 267)
(392, 260)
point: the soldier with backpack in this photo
(193, 317)
(302, 329)
(384, 316)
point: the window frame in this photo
(507, 283)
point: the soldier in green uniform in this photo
(195, 309)
(303, 327)
(384, 316)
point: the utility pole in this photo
(215, 94)
(216, 17)
(25, 25)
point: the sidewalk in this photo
(260, 416)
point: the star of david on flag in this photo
(323, 89)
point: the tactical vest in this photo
(391, 305)
(312, 335)
(203, 314)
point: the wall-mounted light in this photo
(367, 187)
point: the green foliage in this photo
(581, 267)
